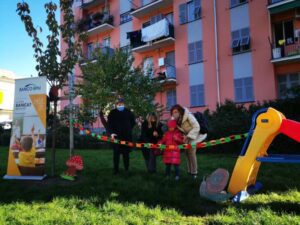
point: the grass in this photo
(98, 197)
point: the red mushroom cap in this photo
(75, 161)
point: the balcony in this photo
(167, 78)
(87, 4)
(95, 24)
(286, 54)
(150, 6)
(157, 35)
(278, 6)
(90, 56)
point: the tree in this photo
(47, 58)
(113, 74)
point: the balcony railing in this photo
(87, 4)
(152, 37)
(96, 23)
(149, 6)
(286, 53)
(270, 2)
(167, 77)
(89, 55)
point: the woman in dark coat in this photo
(151, 132)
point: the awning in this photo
(277, 8)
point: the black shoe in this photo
(116, 172)
(194, 176)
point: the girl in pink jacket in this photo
(171, 155)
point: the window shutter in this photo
(192, 53)
(199, 52)
(248, 87)
(245, 32)
(193, 96)
(201, 94)
(238, 88)
(233, 2)
(182, 13)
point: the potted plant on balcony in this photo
(96, 18)
(83, 24)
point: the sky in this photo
(16, 52)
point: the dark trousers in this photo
(118, 150)
(168, 169)
(150, 159)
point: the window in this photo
(146, 24)
(286, 82)
(146, 2)
(284, 31)
(189, 11)
(234, 3)
(125, 49)
(76, 3)
(275, 1)
(170, 65)
(148, 67)
(197, 95)
(156, 18)
(125, 17)
(240, 40)
(195, 52)
(106, 42)
(243, 88)
(170, 18)
(90, 49)
(171, 98)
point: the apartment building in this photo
(7, 92)
(203, 51)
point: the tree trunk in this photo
(71, 132)
(54, 124)
(103, 120)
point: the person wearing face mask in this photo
(120, 124)
(188, 125)
(151, 132)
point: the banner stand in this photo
(27, 148)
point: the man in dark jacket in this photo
(120, 125)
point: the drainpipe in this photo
(217, 54)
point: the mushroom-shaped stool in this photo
(74, 163)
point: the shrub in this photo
(230, 118)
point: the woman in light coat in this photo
(188, 125)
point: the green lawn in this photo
(98, 197)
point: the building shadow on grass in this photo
(137, 186)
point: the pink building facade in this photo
(204, 51)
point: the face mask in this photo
(120, 107)
(176, 116)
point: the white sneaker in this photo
(177, 178)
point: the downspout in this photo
(217, 54)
